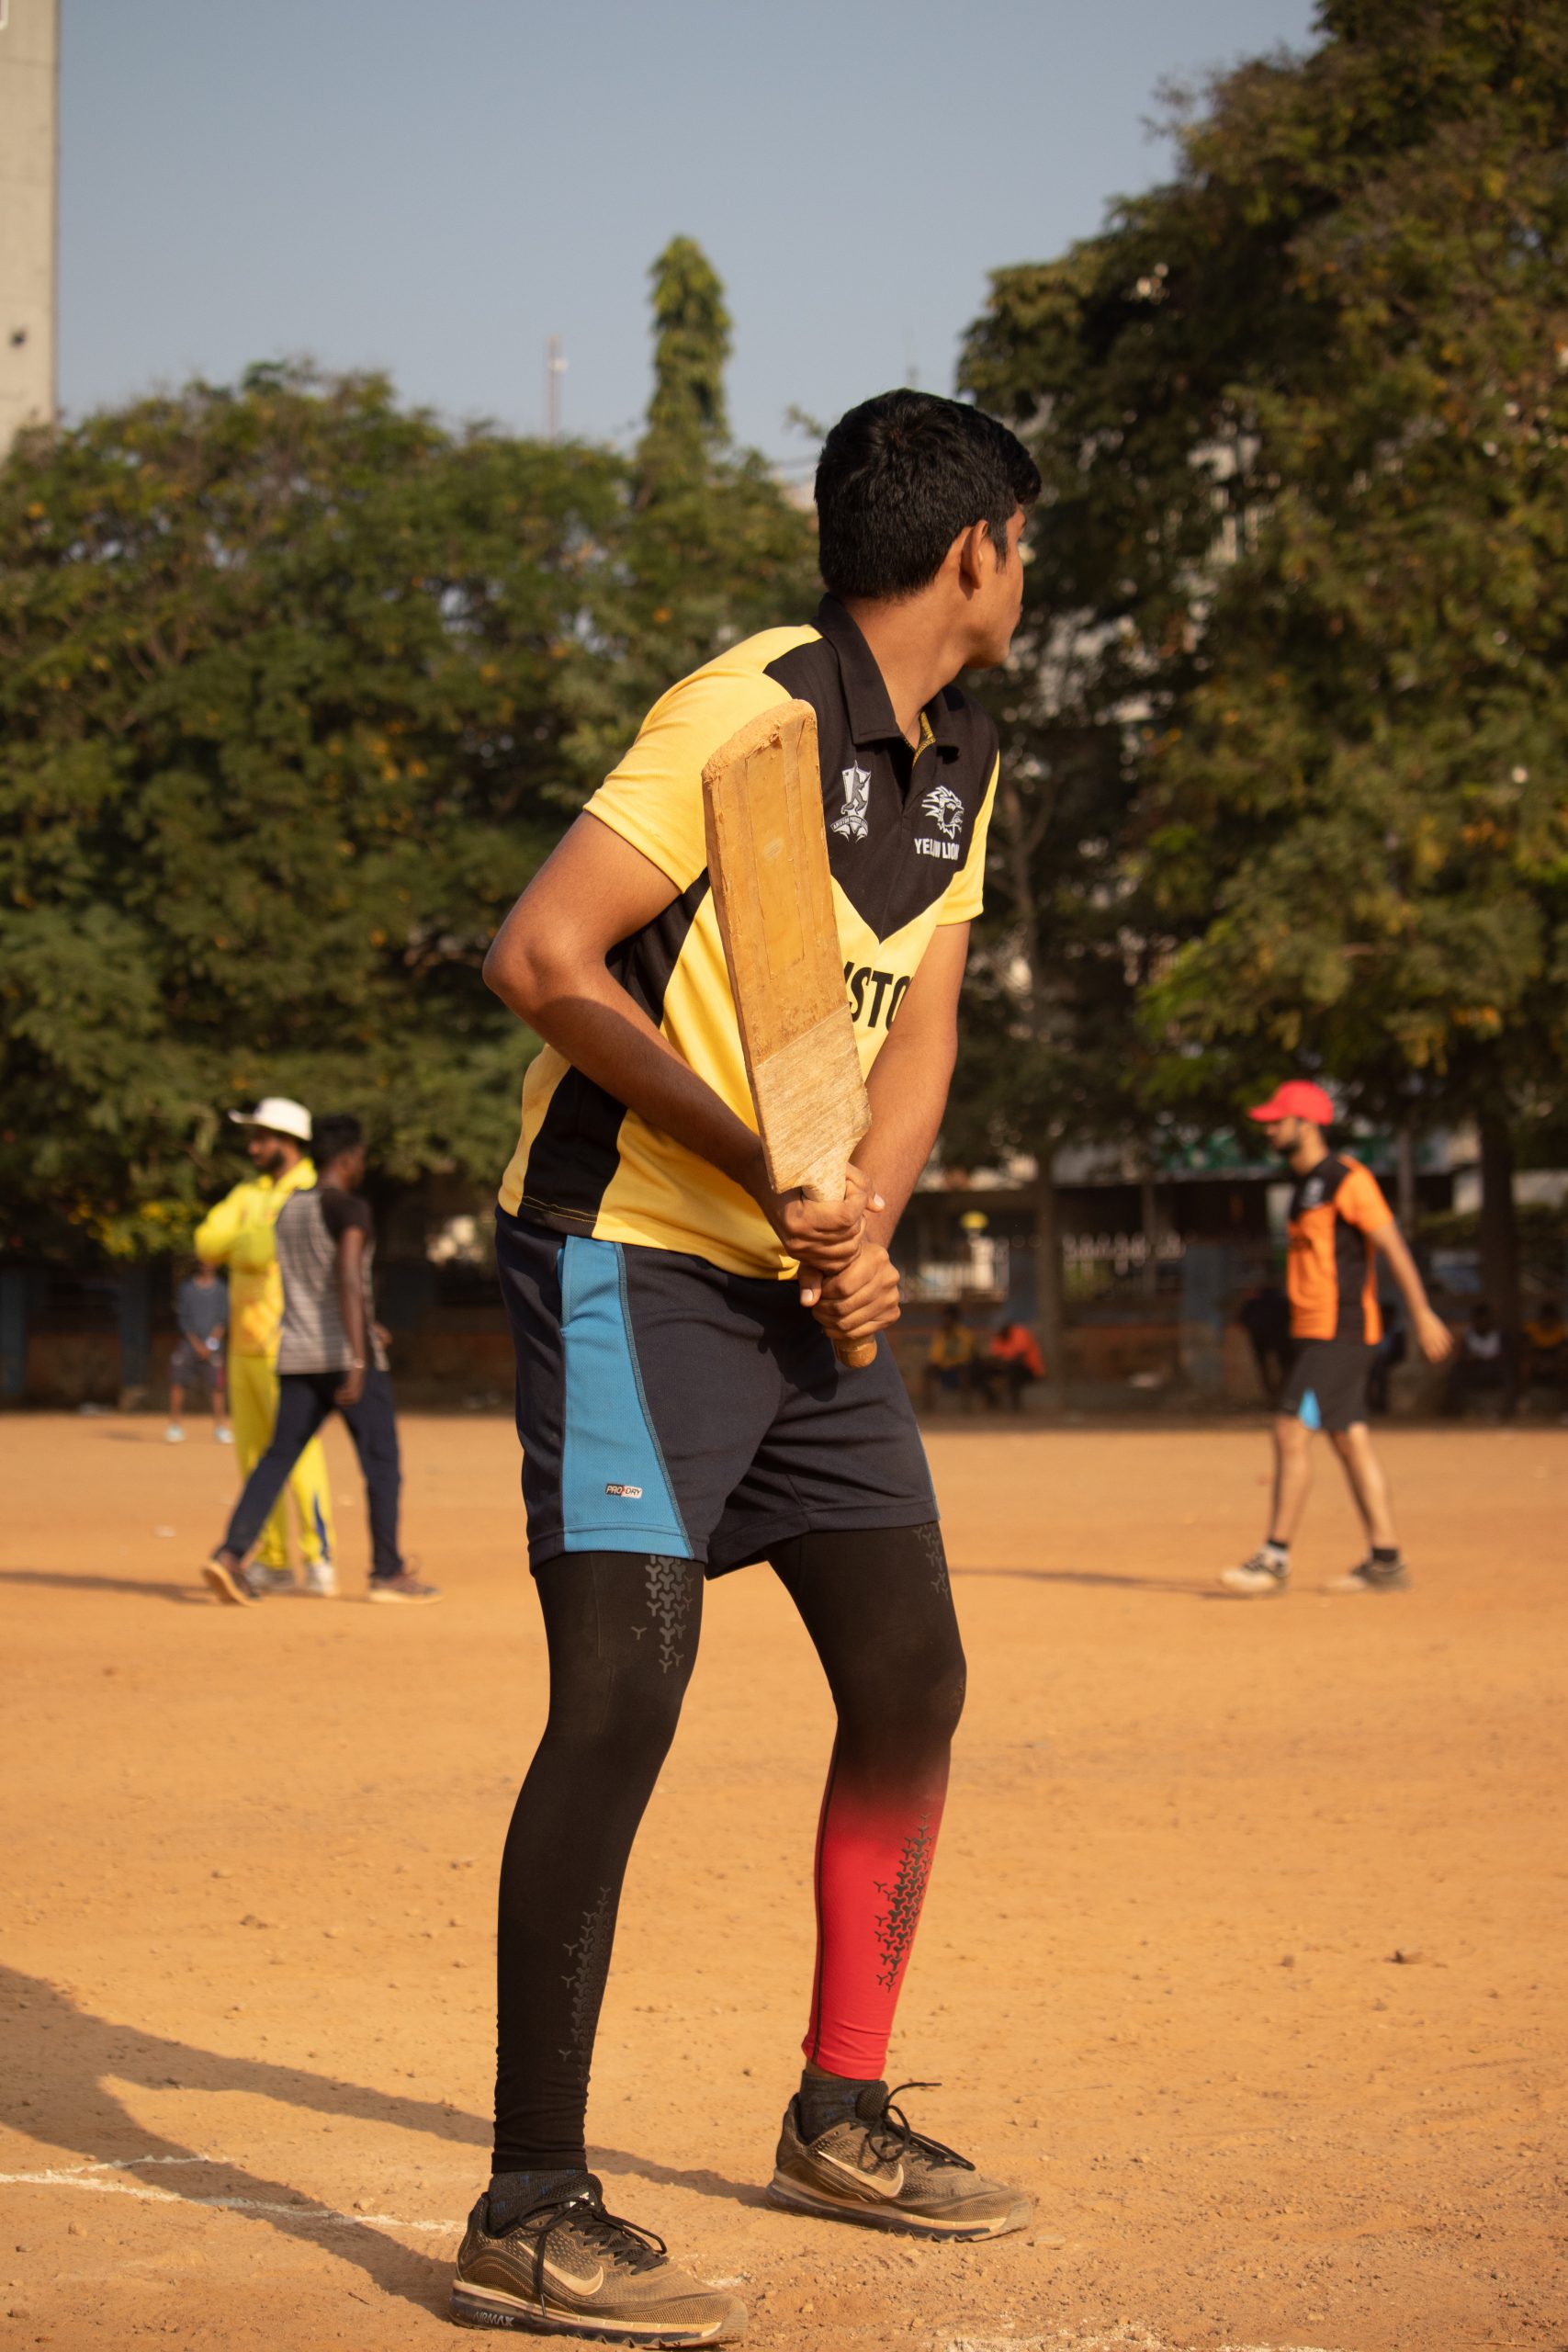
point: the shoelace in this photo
(628, 2244)
(893, 2135)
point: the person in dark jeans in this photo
(331, 1357)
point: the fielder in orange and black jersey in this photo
(1331, 1274)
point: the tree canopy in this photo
(1300, 414)
(298, 687)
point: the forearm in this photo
(351, 1299)
(602, 1031)
(908, 1087)
(1401, 1266)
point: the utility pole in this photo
(555, 368)
(29, 75)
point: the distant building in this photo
(29, 74)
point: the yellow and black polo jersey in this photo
(907, 847)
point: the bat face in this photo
(768, 864)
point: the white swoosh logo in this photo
(573, 2285)
(867, 2183)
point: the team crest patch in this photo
(852, 825)
(945, 811)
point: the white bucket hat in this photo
(277, 1113)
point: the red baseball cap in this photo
(1297, 1099)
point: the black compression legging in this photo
(622, 1630)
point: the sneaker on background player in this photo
(321, 1580)
(405, 1590)
(277, 1581)
(553, 2262)
(1372, 1576)
(174, 1434)
(1268, 1570)
(871, 2166)
(1339, 1226)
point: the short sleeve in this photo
(345, 1211)
(1361, 1203)
(654, 797)
(966, 896)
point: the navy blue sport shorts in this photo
(665, 1406)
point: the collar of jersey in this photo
(865, 695)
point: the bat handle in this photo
(853, 1354)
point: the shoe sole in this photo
(1382, 1584)
(1269, 1592)
(405, 1600)
(797, 2200)
(226, 1584)
(484, 2307)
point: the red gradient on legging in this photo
(873, 1857)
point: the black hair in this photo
(338, 1132)
(900, 476)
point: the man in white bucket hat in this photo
(238, 1234)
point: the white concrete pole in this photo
(29, 79)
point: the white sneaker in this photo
(321, 1580)
(224, 1436)
(1264, 1573)
(270, 1579)
(174, 1434)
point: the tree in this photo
(298, 689)
(691, 350)
(1301, 413)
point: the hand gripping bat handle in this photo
(853, 1354)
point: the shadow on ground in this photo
(56, 2062)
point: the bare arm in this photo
(351, 1299)
(546, 963)
(908, 1087)
(1433, 1336)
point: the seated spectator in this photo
(949, 1366)
(1483, 1360)
(1010, 1363)
(1546, 1349)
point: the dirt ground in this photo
(246, 1913)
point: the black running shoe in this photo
(875, 2169)
(570, 2269)
(1372, 1576)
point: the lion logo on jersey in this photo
(854, 825)
(945, 810)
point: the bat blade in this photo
(773, 895)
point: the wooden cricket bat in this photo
(773, 895)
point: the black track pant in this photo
(305, 1399)
(623, 1629)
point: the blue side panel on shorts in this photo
(1311, 1413)
(615, 1491)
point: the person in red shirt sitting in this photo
(1012, 1361)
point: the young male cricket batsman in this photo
(680, 1404)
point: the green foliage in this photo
(1301, 415)
(690, 348)
(296, 690)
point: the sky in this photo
(436, 186)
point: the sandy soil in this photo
(246, 1914)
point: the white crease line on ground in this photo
(84, 2176)
(1120, 2341)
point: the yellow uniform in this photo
(907, 827)
(238, 1234)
